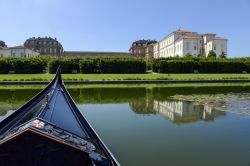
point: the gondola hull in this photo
(49, 130)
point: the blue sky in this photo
(112, 25)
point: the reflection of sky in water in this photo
(156, 130)
(8, 113)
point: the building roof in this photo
(210, 34)
(18, 47)
(93, 53)
(147, 42)
(4, 48)
(219, 38)
(41, 39)
(182, 31)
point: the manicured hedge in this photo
(113, 65)
(104, 65)
(89, 66)
(202, 65)
(68, 65)
(5, 66)
(23, 65)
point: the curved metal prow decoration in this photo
(59, 57)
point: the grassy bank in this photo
(147, 86)
(112, 77)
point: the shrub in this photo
(68, 65)
(203, 65)
(173, 66)
(89, 66)
(211, 54)
(110, 65)
(27, 65)
(5, 66)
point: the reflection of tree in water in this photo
(141, 100)
(142, 106)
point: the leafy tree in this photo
(211, 54)
(222, 55)
(188, 55)
(201, 56)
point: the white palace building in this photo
(183, 42)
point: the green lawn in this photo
(109, 77)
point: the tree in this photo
(223, 55)
(201, 55)
(189, 55)
(211, 54)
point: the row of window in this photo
(55, 43)
(215, 47)
(44, 42)
(166, 42)
(49, 50)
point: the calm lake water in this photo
(163, 125)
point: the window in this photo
(195, 48)
(50, 50)
(55, 50)
(215, 47)
(222, 47)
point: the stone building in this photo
(17, 51)
(94, 54)
(2, 44)
(140, 48)
(45, 45)
(183, 42)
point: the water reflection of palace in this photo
(186, 112)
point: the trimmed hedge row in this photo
(123, 65)
(23, 65)
(67, 65)
(201, 65)
(104, 65)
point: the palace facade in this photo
(44, 45)
(142, 48)
(183, 42)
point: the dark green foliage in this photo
(223, 55)
(111, 65)
(5, 66)
(174, 66)
(188, 55)
(211, 54)
(202, 65)
(116, 65)
(89, 66)
(68, 65)
(23, 65)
